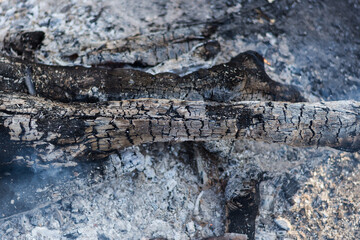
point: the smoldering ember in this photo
(179, 119)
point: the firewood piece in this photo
(80, 128)
(241, 79)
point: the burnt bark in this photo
(83, 128)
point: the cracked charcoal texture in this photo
(106, 127)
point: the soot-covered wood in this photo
(241, 79)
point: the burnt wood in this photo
(80, 128)
(79, 111)
(241, 79)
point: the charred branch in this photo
(82, 128)
(241, 79)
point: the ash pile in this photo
(189, 190)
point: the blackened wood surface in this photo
(241, 79)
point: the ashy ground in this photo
(179, 191)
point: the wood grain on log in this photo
(80, 128)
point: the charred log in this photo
(82, 128)
(241, 79)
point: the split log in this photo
(82, 128)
